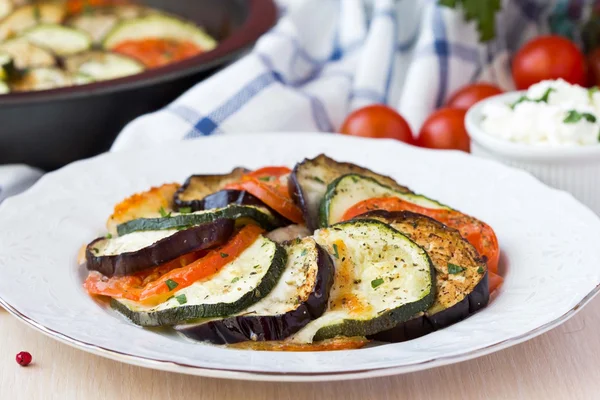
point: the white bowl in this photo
(573, 169)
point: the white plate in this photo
(549, 241)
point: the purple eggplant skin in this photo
(425, 323)
(271, 327)
(219, 199)
(200, 237)
(198, 187)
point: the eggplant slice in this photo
(461, 274)
(351, 189)
(382, 278)
(195, 192)
(243, 282)
(126, 255)
(310, 178)
(299, 297)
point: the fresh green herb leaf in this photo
(256, 266)
(574, 116)
(185, 210)
(181, 299)
(171, 284)
(317, 179)
(95, 250)
(483, 12)
(234, 280)
(108, 236)
(354, 179)
(376, 282)
(455, 269)
(303, 253)
(224, 255)
(335, 251)
(543, 99)
(480, 270)
(163, 213)
(264, 178)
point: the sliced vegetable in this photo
(102, 66)
(478, 233)
(382, 278)
(97, 23)
(337, 343)
(61, 40)
(6, 7)
(30, 15)
(156, 52)
(158, 26)
(461, 275)
(137, 251)
(7, 67)
(348, 190)
(198, 187)
(243, 214)
(309, 180)
(300, 296)
(27, 55)
(43, 79)
(287, 233)
(210, 289)
(4, 89)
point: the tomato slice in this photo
(271, 172)
(478, 233)
(151, 287)
(271, 192)
(494, 281)
(156, 52)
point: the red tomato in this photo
(445, 129)
(548, 57)
(467, 96)
(378, 121)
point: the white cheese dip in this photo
(551, 113)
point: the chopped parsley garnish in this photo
(335, 251)
(376, 282)
(224, 255)
(455, 269)
(591, 92)
(256, 266)
(303, 253)
(108, 236)
(574, 116)
(185, 210)
(543, 99)
(264, 178)
(171, 284)
(181, 299)
(234, 280)
(95, 250)
(317, 179)
(163, 213)
(480, 270)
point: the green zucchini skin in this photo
(334, 192)
(432, 320)
(261, 217)
(184, 313)
(200, 237)
(391, 317)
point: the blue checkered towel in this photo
(325, 58)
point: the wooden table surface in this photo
(561, 364)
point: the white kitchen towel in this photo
(325, 58)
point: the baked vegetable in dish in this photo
(137, 251)
(300, 296)
(102, 66)
(4, 88)
(7, 66)
(243, 214)
(351, 189)
(98, 22)
(382, 278)
(30, 15)
(461, 274)
(6, 6)
(310, 178)
(27, 55)
(46, 78)
(196, 188)
(234, 287)
(59, 39)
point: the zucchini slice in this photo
(235, 287)
(27, 55)
(197, 187)
(4, 88)
(59, 39)
(382, 278)
(461, 274)
(103, 66)
(310, 178)
(258, 215)
(300, 296)
(158, 26)
(137, 251)
(44, 79)
(29, 16)
(348, 190)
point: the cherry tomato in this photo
(467, 96)
(378, 121)
(548, 57)
(445, 129)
